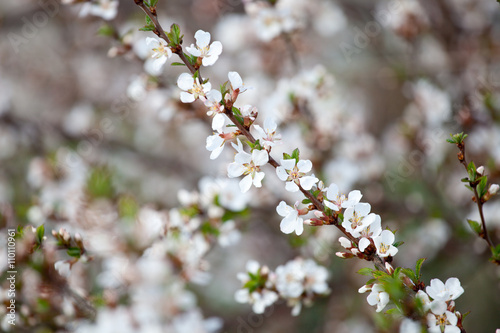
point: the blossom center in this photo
(384, 248)
(355, 220)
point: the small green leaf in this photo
(409, 273)
(286, 156)
(99, 184)
(106, 30)
(152, 3)
(178, 64)
(40, 231)
(74, 252)
(236, 111)
(398, 244)
(306, 201)
(475, 226)
(482, 186)
(295, 154)
(366, 271)
(418, 267)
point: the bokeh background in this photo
(93, 141)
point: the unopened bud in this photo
(389, 268)
(345, 242)
(344, 255)
(480, 170)
(493, 189)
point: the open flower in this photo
(208, 53)
(236, 82)
(267, 135)
(337, 200)
(442, 320)
(378, 296)
(161, 52)
(448, 291)
(371, 230)
(216, 142)
(384, 242)
(357, 217)
(215, 109)
(291, 221)
(293, 173)
(192, 88)
(248, 165)
(107, 9)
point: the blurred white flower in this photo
(107, 9)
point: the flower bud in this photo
(493, 189)
(480, 170)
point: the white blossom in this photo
(337, 200)
(371, 230)
(384, 242)
(192, 88)
(440, 291)
(357, 217)
(236, 82)
(161, 52)
(107, 9)
(208, 53)
(215, 109)
(378, 296)
(249, 166)
(291, 221)
(293, 173)
(267, 135)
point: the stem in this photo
(484, 235)
(378, 261)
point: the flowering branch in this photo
(478, 184)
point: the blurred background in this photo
(94, 140)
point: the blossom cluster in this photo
(297, 282)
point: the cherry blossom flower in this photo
(442, 320)
(371, 230)
(293, 173)
(215, 109)
(208, 53)
(337, 200)
(357, 217)
(378, 296)
(384, 242)
(237, 83)
(267, 135)
(192, 88)
(216, 142)
(161, 52)
(248, 165)
(259, 300)
(107, 9)
(291, 221)
(440, 291)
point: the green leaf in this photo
(482, 186)
(99, 184)
(127, 207)
(286, 156)
(178, 64)
(398, 244)
(465, 180)
(366, 271)
(208, 229)
(306, 201)
(457, 138)
(40, 231)
(74, 252)
(409, 273)
(295, 154)
(418, 267)
(236, 111)
(475, 226)
(106, 30)
(393, 311)
(152, 3)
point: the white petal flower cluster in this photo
(160, 52)
(297, 282)
(294, 173)
(248, 165)
(192, 87)
(107, 9)
(378, 296)
(267, 135)
(208, 53)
